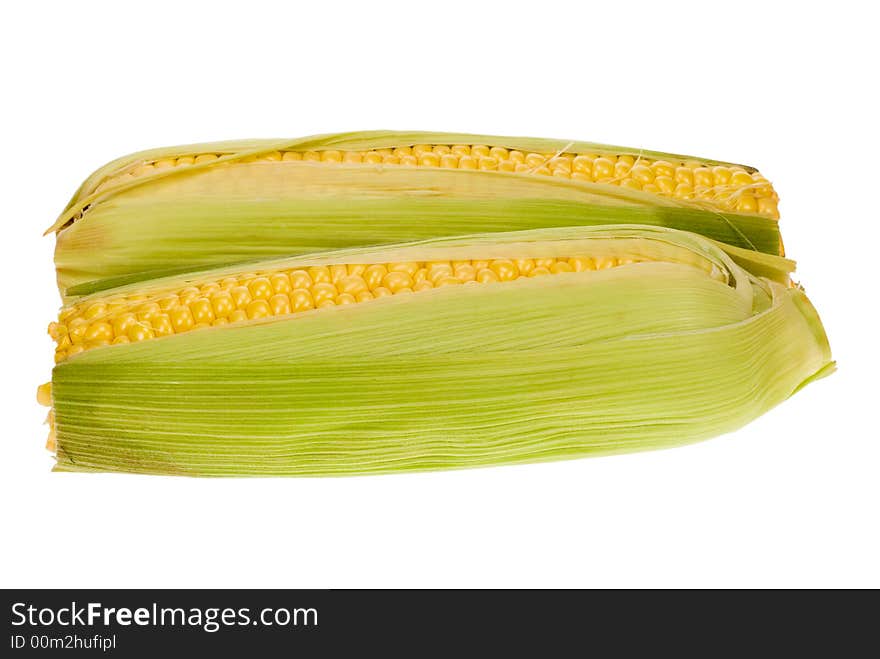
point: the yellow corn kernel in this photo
(581, 264)
(188, 294)
(202, 311)
(621, 169)
(410, 267)
(161, 325)
(603, 168)
(486, 276)
(57, 330)
(352, 285)
(323, 291)
(241, 295)
(703, 177)
(429, 159)
(207, 289)
(663, 168)
(535, 160)
(722, 175)
(684, 175)
(337, 272)
(76, 330)
(122, 322)
(524, 266)
(438, 271)
(279, 304)
(319, 274)
(746, 203)
(140, 332)
(396, 280)
(258, 309)
(582, 164)
(44, 394)
(181, 319)
(768, 207)
(665, 184)
(280, 282)
(504, 269)
(95, 310)
(741, 178)
(301, 299)
(99, 331)
(300, 279)
(642, 174)
(683, 191)
(147, 311)
(464, 272)
(374, 274)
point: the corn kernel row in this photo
(252, 296)
(728, 187)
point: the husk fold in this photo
(640, 356)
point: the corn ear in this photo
(168, 211)
(674, 344)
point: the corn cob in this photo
(548, 344)
(171, 210)
(127, 318)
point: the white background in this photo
(791, 500)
